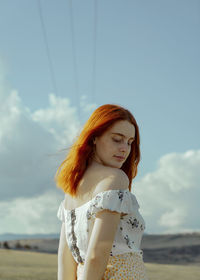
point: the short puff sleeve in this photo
(122, 201)
(60, 213)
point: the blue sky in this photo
(146, 58)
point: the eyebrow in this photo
(122, 135)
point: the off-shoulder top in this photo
(78, 223)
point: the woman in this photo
(102, 227)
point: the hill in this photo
(180, 249)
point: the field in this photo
(21, 265)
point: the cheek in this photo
(107, 146)
(129, 150)
(102, 147)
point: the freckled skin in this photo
(110, 144)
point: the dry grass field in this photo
(21, 265)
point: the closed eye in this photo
(118, 141)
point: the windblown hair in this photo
(71, 170)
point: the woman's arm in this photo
(100, 244)
(104, 230)
(67, 266)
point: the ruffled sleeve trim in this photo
(60, 213)
(122, 201)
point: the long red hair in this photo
(76, 162)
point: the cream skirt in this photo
(127, 266)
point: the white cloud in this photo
(25, 166)
(28, 140)
(173, 219)
(31, 215)
(170, 194)
(29, 198)
(60, 119)
(29, 158)
(86, 106)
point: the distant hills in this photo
(157, 248)
(172, 248)
(12, 236)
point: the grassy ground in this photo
(21, 265)
(172, 272)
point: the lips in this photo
(120, 157)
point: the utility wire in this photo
(74, 54)
(94, 51)
(52, 73)
(74, 58)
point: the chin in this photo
(117, 164)
(113, 163)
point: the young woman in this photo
(102, 227)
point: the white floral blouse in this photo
(77, 223)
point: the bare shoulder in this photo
(111, 179)
(120, 176)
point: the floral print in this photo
(128, 241)
(73, 246)
(127, 266)
(130, 229)
(120, 195)
(133, 222)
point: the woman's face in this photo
(114, 143)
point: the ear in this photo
(94, 140)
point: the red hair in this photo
(75, 164)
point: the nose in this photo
(123, 148)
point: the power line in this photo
(74, 57)
(52, 73)
(74, 54)
(94, 51)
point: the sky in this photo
(59, 61)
